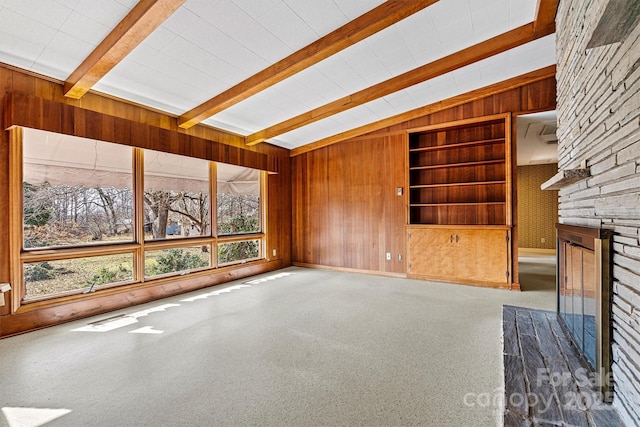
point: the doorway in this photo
(537, 160)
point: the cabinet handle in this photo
(451, 238)
(457, 238)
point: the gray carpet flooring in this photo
(297, 347)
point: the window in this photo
(238, 200)
(78, 274)
(176, 260)
(76, 191)
(176, 196)
(81, 231)
(233, 252)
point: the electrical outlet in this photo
(399, 257)
(388, 256)
(275, 252)
(543, 240)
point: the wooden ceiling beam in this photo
(379, 18)
(142, 20)
(545, 17)
(455, 101)
(464, 57)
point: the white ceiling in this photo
(208, 46)
(536, 138)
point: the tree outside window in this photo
(176, 196)
(79, 192)
(76, 191)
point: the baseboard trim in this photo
(538, 251)
(350, 270)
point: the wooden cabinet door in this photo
(462, 255)
(481, 256)
(431, 252)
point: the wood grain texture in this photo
(6, 82)
(38, 113)
(379, 18)
(366, 162)
(454, 61)
(460, 172)
(471, 255)
(43, 105)
(346, 211)
(545, 17)
(142, 20)
(15, 210)
(524, 103)
(29, 84)
(462, 194)
(515, 278)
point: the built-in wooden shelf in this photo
(458, 145)
(457, 184)
(458, 165)
(458, 204)
(460, 195)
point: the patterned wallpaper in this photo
(537, 209)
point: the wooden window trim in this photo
(246, 238)
(15, 212)
(77, 252)
(137, 248)
(240, 237)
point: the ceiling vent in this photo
(548, 134)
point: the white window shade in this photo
(64, 159)
(59, 159)
(163, 171)
(238, 180)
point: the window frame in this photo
(261, 210)
(19, 256)
(211, 188)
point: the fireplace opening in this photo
(584, 296)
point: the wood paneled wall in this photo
(346, 211)
(38, 113)
(39, 102)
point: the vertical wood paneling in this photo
(362, 219)
(336, 188)
(39, 113)
(394, 223)
(41, 103)
(6, 81)
(347, 213)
